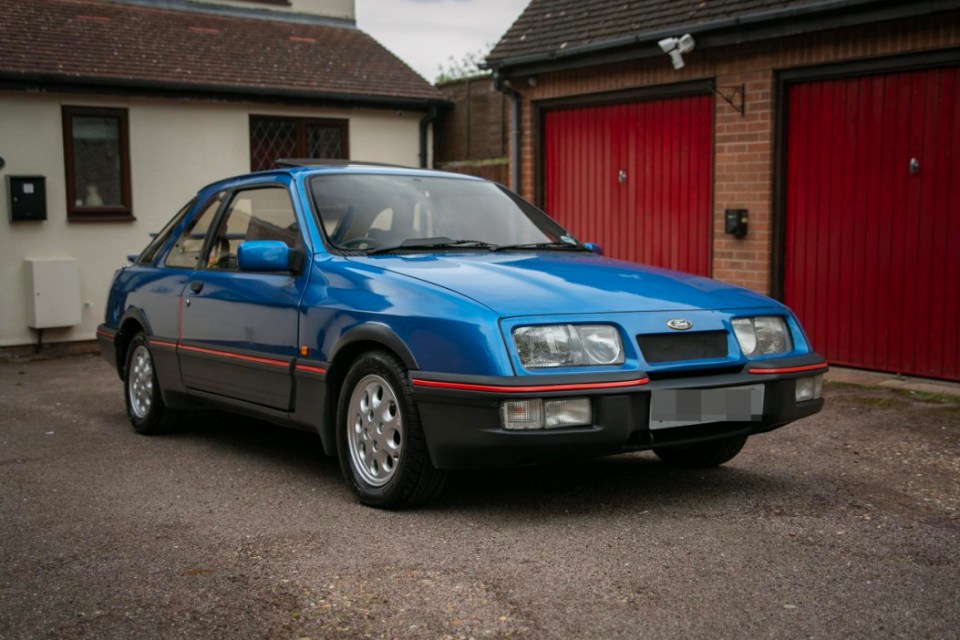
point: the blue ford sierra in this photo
(420, 322)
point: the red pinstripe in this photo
(461, 386)
(303, 367)
(235, 356)
(809, 367)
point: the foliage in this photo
(468, 66)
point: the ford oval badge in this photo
(679, 324)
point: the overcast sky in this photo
(425, 33)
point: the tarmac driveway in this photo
(844, 525)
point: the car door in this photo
(238, 336)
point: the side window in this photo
(254, 214)
(149, 254)
(186, 250)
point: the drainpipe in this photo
(424, 128)
(515, 132)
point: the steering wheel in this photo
(355, 243)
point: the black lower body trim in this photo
(107, 339)
(464, 429)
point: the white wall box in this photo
(53, 292)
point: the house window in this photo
(272, 139)
(97, 157)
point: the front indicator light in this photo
(524, 415)
(809, 388)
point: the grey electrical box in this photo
(27, 198)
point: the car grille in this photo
(676, 347)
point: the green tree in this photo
(466, 67)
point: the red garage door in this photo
(872, 263)
(635, 178)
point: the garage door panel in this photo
(940, 208)
(872, 263)
(660, 213)
(868, 252)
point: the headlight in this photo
(568, 345)
(762, 335)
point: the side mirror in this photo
(593, 246)
(267, 255)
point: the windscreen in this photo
(370, 212)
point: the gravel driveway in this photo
(844, 525)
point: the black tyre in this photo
(145, 407)
(702, 455)
(380, 441)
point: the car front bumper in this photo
(462, 423)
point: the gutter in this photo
(515, 131)
(756, 22)
(152, 88)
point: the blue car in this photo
(420, 322)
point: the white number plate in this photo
(681, 407)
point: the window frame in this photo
(112, 213)
(302, 141)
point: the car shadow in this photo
(634, 482)
(629, 483)
(298, 451)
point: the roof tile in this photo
(95, 39)
(547, 26)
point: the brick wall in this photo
(744, 161)
(472, 137)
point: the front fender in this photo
(430, 328)
(378, 333)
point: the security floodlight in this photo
(676, 47)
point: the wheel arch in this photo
(133, 322)
(351, 346)
(379, 334)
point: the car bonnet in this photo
(540, 283)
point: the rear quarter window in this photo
(149, 254)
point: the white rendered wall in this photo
(176, 147)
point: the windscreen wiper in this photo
(557, 244)
(434, 243)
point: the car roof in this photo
(307, 168)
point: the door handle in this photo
(196, 286)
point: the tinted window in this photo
(254, 214)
